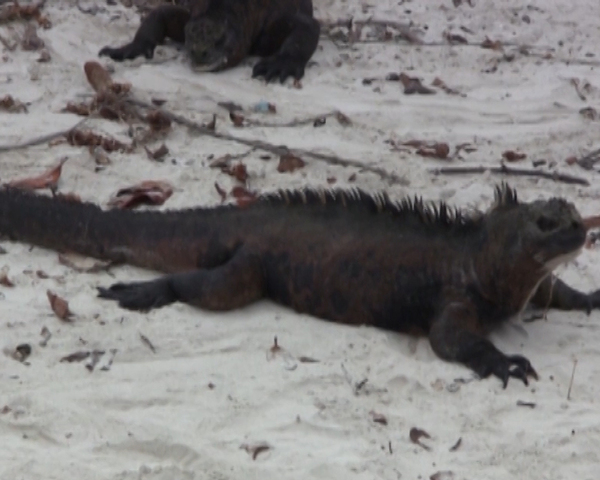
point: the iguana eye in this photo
(546, 224)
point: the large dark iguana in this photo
(218, 34)
(344, 256)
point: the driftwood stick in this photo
(269, 147)
(39, 140)
(504, 170)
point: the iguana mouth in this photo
(210, 67)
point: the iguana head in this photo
(208, 42)
(547, 232)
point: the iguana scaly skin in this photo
(218, 34)
(344, 256)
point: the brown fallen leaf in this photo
(10, 105)
(81, 109)
(88, 138)
(44, 56)
(147, 342)
(413, 85)
(158, 121)
(60, 306)
(304, 359)
(589, 112)
(378, 418)
(511, 156)
(275, 348)
(289, 163)
(491, 45)
(49, 179)
(97, 76)
(457, 445)
(149, 192)
(454, 38)
(31, 41)
(76, 356)
(238, 171)
(236, 118)
(46, 336)
(157, 154)
(442, 475)
(343, 119)
(243, 196)
(4, 280)
(222, 193)
(436, 150)
(21, 352)
(415, 436)
(256, 448)
(438, 82)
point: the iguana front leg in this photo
(455, 336)
(554, 293)
(166, 21)
(294, 53)
(234, 284)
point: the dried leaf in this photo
(331, 180)
(456, 446)
(100, 156)
(21, 352)
(413, 85)
(81, 109)
(438, 82)
(158, 154)
(511, 156)
(158, 101)
(443, 475)
(31, 41)
(289, 163)
(415, 436)
(10, 105)
(378, 417)
(59, 306)
(46, 336)
(243, 196)
(343, 119)
(97, 76)
(304, 359)
(222, 193)
(4, 280)
(49, 179)
(87, 138)
(589, 112)
(454, 39)
(238, 171)
(148, 192)
(76, 357)
(436, 150)
(212, 125)
(236, 118)
(158, 121)
(492, 45)
(256, 448)
(147, 342)
(24, 12)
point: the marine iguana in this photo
(218, 34)
(344, 256)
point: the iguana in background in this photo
(344, 256)
(219, 34)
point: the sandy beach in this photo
(179, 392)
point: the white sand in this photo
(153, 415)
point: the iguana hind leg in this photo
(554, 293)
(166, 21)
(298, 46)
(234, 284)
(454, 336)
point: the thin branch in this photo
(269, 147)
(504, 170)
(39, 140)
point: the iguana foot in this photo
(279, 66)
(506, 366)
(129, 51)
(142, 296)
